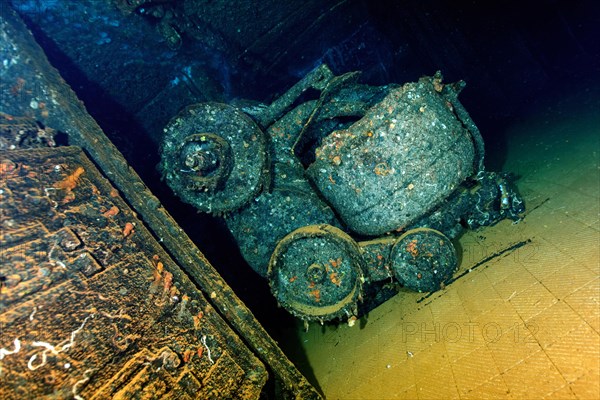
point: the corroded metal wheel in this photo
(316, 273)
(423, 258)
(213, 157)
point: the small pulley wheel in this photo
(315, 273)
(423, 258)
(213, 156)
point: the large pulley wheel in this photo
(315, 273)
(213, 157)
(422, 259)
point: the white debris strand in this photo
(32, 313)
(75, 388)
(59, 348)
(203, 340)
(4, 352)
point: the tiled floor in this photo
(525, 325)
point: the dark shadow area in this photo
(118, 124)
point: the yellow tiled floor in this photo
(525, 325)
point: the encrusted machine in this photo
(338, 186)
(332, 191)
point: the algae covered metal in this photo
(404, 156)
(215, 157)
(359, 185)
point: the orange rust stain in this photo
(316, 294)
(197, 319)
(71, 181)
(336, 263)
(157, 274)
(187, 355)
(412, 248)
(168, 281)
(128, 229)
(7, 167)
(114, 210)
(382, 169)
(160, 267)
(69, 197)
(335, 279)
